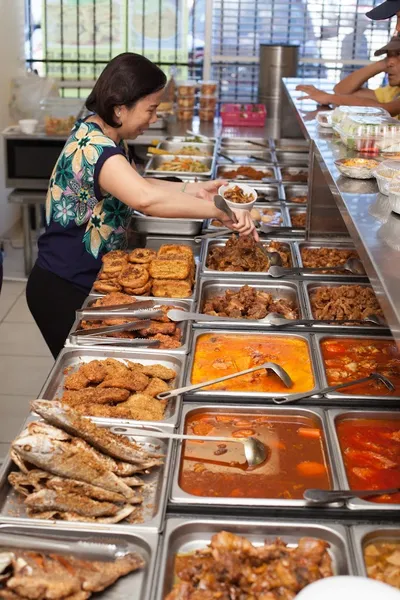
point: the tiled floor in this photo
(25, 361)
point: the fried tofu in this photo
(167, 288)
(170, 268)
(156, 386)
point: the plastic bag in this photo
(27, 92)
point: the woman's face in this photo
(137, 119)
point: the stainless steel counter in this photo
(338, 204)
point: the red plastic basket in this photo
(243, 115)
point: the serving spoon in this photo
(315, 496)
(354, 265)
(277, 369)
(327, 390)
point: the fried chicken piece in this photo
(154, 328)
(159, 371)
(76, 381)
(133, 381)
(94, 371)
(91, 409)
(94, 395)
(170, 268)
(141, 407)
(166, 341)
(167, 288)
(115, 368)
(155, 387)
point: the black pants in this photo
(53, 302)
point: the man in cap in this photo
(386, 10)
(349, 91)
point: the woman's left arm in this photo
(194, 188)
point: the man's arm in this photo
(353, 82)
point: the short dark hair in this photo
(126, 79)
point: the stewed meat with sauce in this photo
(243, 254)
(344, 302)
(326, 257)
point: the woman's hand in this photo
(206, 189)
(315, 94)
(245, 224)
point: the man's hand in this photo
(314, 94)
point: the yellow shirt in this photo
(387, 94)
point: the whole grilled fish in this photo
(67, 460)
(45, 500)
(127, 511)
(112, 444)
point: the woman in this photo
(93, 188)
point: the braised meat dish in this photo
(326, 257)
(237, 195)
(243, 254)
(344, 302)
(295, 174)
(246, 173)
(231, 567)
(382, 559)
(298, 219)
(298, 199)
(249, 303)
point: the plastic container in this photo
(324, 119)
(186, 101)
(206, 115)
(208, 88)
(357, 168)
(60, 114)
(369, 134)
(243, 115)
(246, 189)
(341, 112)
(184, 114)
(394, 195)
(208, 102)
(385, 173)
(28, 126)
(186, 88)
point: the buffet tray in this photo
(155, 492)
(174, 147)
(296, 211)
(221, 170)
(237, 143)
(179, 497)
(290, 174)
(322, 276)
(157, 161)
(72, 357)
(289, 290)
(248, 274)
(245, 397)
(291, 159)
(292, 145)
(136, 585)
(78, 341)
(291, 190)
(184, 535)
(165, 226)
(354, 399)
(334, 415)
(310, 286)
(361, 535)
(260, 206)
(242, 157)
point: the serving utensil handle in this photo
(328, 496)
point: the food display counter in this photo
(103, 408)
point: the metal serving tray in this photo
(165, 226)
(209, 288)
(362, 535)
(179, 496)
(296, 211)
(261, 207)
(184, 326)
(243, 156)
(335, 415)
(237, 143)
(292, 145)
(157, 161)
(331, 276)
(310, 286)
(136, 585)
(185, 139)
(183, 536)
(175, 147)
(74, 357)
(266, 169)
(292, 159)
(294, 174)
(354, 399)
(292, 190)
(154, 492)
(245, 397)
(248, 274)
(273, 193)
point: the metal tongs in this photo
(262, 228)
(90, 336)
(138, 310)
(84, 549)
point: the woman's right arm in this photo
(119, 179)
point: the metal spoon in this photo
(353, 265)
(327, 390)
(254, 450)
(278, 370)
(315, 496)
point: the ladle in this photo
(315, 496)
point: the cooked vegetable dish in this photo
(246, 173)
(348, 359)
(243, 254)
(231, 567)
(295, 457)
(326, 257)
(237, 195)
(364, 163)
(222, 354)
(187, 165)
(249, 303)
(382, 560)
(344, 302)
(371, 454)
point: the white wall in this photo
(11, 61)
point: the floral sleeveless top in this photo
(81, 223)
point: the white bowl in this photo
(360, 171)
(28, 126)
(246, 189)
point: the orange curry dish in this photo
(219, 354)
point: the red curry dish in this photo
(295, 459)
(371, 455)
(347, 359)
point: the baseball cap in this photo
(393, 45)
(386, 10)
